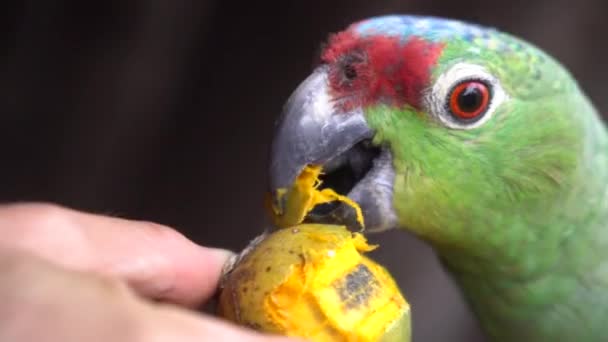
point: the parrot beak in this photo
(312, 130)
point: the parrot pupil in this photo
(470, 99)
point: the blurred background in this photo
(164, 110)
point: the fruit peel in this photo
(314, 281)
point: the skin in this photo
(73, 276)
(516, 208)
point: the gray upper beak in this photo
(312, 131)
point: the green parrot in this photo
(475, 141)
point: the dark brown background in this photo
(163, 110)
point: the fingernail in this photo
(219, 255)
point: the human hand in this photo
(72, 276)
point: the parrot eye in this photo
(469, 100)
(465, 96)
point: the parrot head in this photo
(456, 132)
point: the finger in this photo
(157, 261)
(42, 301)
(68, 306)
(179, 325)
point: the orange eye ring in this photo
(469, 100)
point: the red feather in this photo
(388, 69)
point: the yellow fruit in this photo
(293, 204)
(314, 281)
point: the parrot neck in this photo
(567, 285)
(558, 277)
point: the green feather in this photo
(516, 208)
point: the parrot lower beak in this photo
(313, 131)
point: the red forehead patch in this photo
(379, 69)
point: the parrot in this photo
(479, 143)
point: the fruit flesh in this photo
(304, 196)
